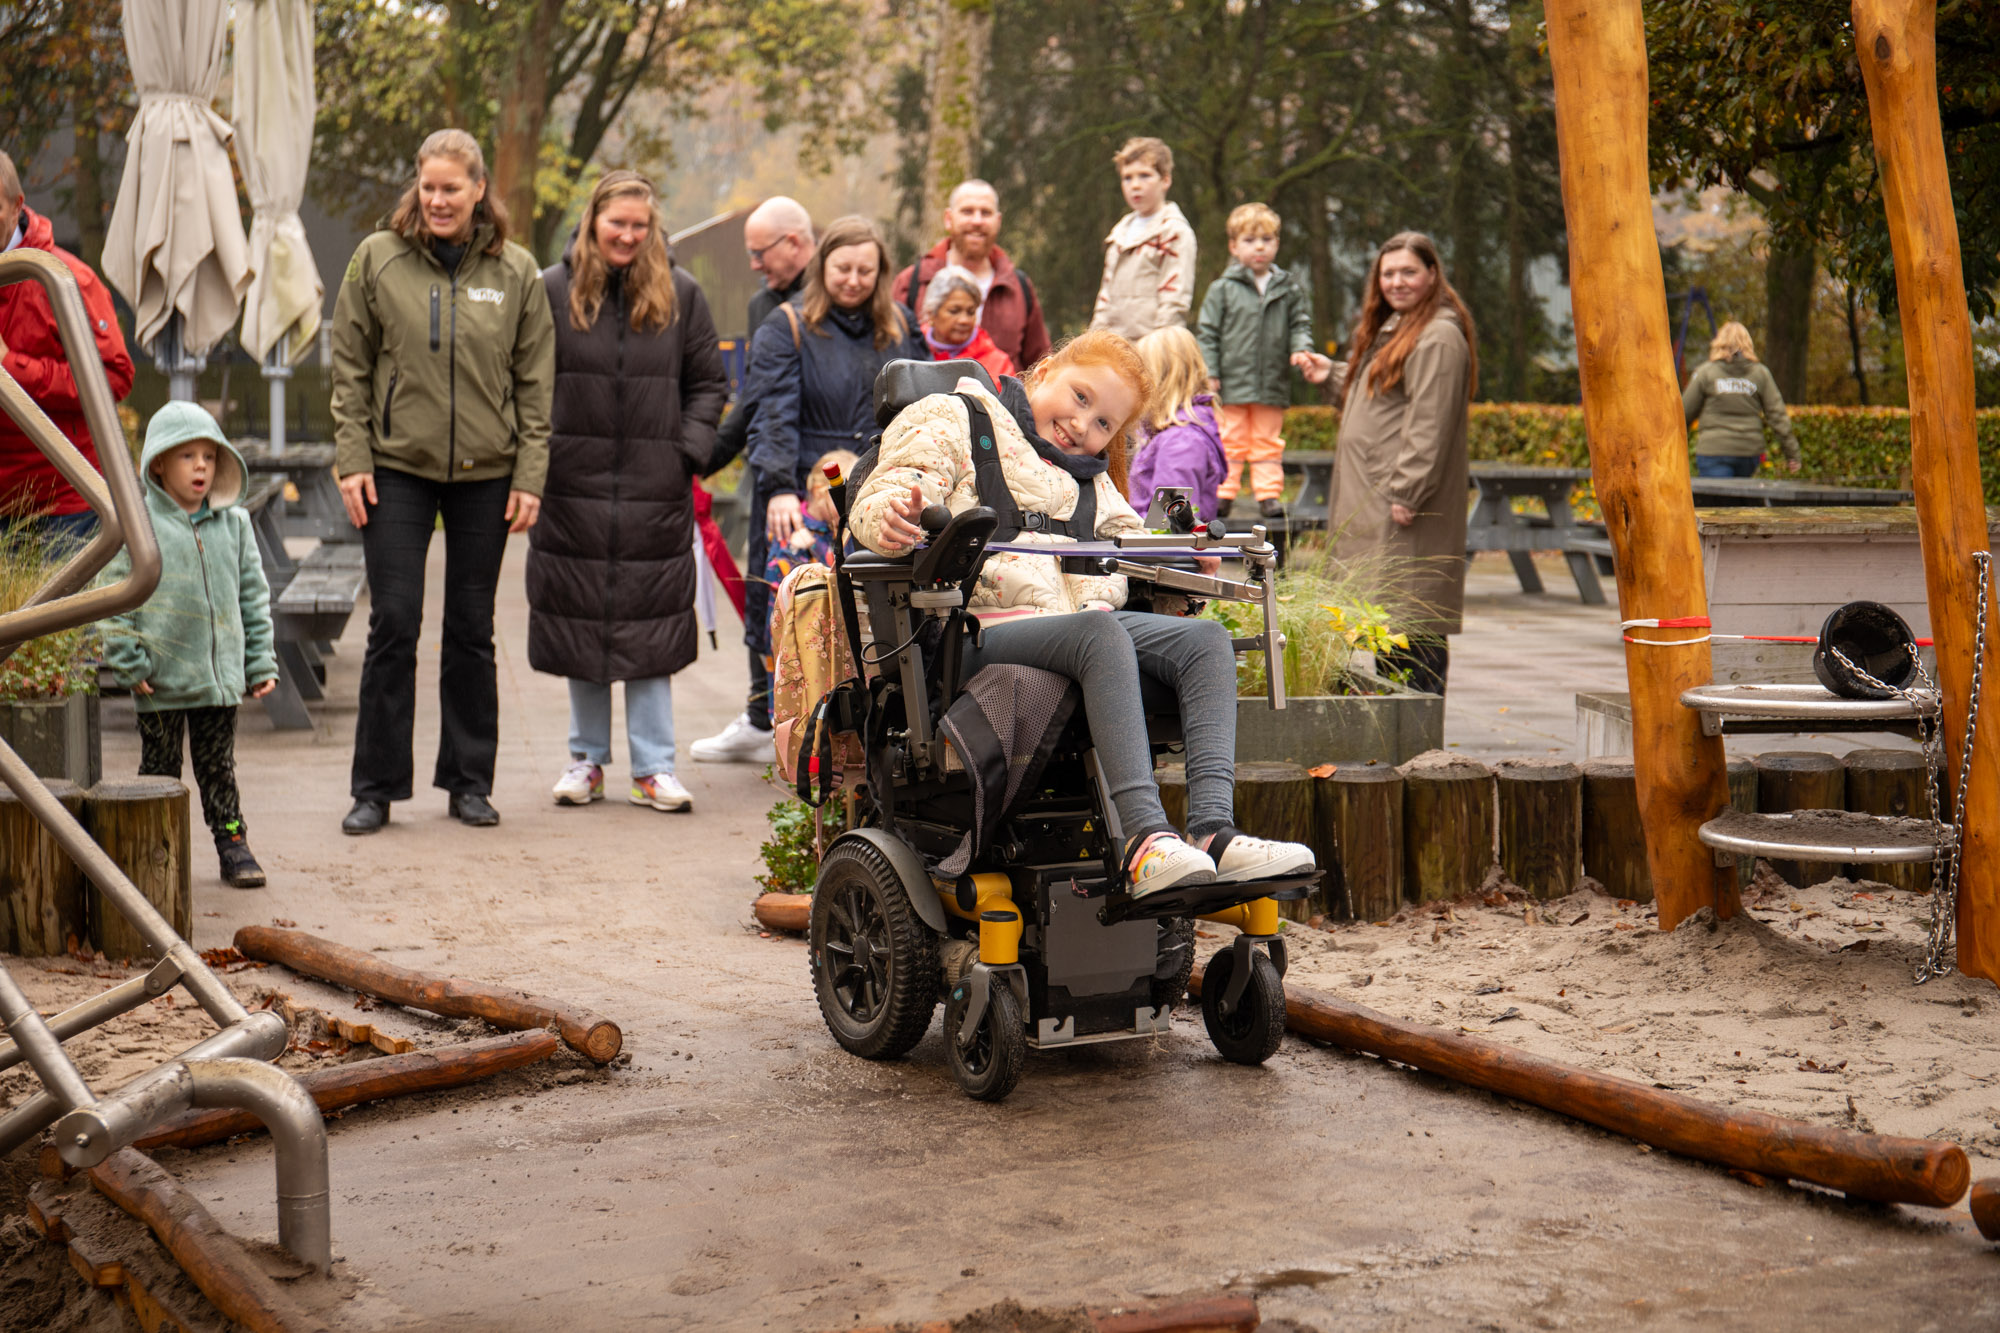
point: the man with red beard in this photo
(1010, 312)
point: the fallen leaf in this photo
(1858, 946)
(1580, 920)
(283, 922)
(1503, 708)
(1838, 1022)
(1750, 1178)
(1489, 990)
(1512, 1011)
(1323, 770)
(1623, 925)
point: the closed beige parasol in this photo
(273, 97)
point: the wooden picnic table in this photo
(318, 511)
(1494, 526)
(1774, 492)
(311, 599)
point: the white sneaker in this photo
(1246, 858)
(737, 743)
(581, 783)
(661, 791)
(1163, 861)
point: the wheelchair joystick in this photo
(934, 519)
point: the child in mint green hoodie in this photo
(203, 640)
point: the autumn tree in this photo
(77, 78)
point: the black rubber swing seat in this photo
(1202, 899)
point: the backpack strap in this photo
(791, 318)
(994, 494)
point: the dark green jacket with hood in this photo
(1248, 337)
(204, 637)
(1734, 401)
(446, 376)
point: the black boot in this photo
(239, 868)
(469, 807)
(366, 817)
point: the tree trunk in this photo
(1638, 440)
(958, 77)
(1360, 810)
(1854, 344)
(1897, 44)
(1788, 296)
(1462, 73)
(1541, 824)
(1447, 826)
(523, 93)
(41, 889)
(1614, 841)
(87, 197)
(142, 824)
(1801, 780)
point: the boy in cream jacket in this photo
(1149, 256)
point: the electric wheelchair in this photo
(1005, 899)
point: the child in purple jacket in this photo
(1185, 446)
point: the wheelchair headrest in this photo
(904, 382)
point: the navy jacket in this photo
(817, 395)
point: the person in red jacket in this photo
(1008, 308)
(32, 493)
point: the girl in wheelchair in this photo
(1082, 401)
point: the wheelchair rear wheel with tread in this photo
(988, 1068)
(874, 961)
(1251, 1035)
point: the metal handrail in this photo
(115, 495)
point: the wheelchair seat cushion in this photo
(1004, 727)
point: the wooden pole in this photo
(1275, 800)
(1867, 1166)
(143, 824)
(1986, 1208)
(41, 890)
(1447, 826)
(309, 955)
(1540, 803)
(783, 911)
(1614, 844)
(1638, 441)
(366, 1081)
(1890, 782)
(1790, 780)
(1360, 810)
(215, 1260)
(1896, 41)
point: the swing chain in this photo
(1928, 700)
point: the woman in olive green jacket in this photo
(444, 363)
(1734, 398)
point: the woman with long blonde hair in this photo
(611, 569)
(1734, 398)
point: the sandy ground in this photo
(743, 1172)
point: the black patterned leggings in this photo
(211, 734)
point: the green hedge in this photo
(1861, 446)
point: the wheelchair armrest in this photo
(866, 566)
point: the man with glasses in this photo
(779, 236)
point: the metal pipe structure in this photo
(118, 1000)
(213, 1072)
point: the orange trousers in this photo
(1250, 434)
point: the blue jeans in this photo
(649, 723)
(1727, 465)
(62, 535)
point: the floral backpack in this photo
(811, 659)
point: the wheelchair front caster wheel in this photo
(1250, 1036)
(987, 1067)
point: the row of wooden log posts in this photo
(47, 906)
(1433, 828)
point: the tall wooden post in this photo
(1896, 41)
(1638, 440)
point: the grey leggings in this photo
(1105, 653)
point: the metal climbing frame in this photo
(230, 1068)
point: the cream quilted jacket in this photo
(930, 446)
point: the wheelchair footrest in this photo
(1201, 899)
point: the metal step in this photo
(1735, 709)
(1823, 835)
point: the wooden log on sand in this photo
(214, 1259)
(1802, 780)
(1985, 1203)
(1447, 826)
(1540, 804)
(340, 1086)
(1890, 782)
(1743, 796)
(1275, 800)
(783, 911)
(142, 823)
(454, 997)
(41, 889)
(1359, 811)
(1881, 1167)
(1895, 42)
(1638, 437)
(1614, 844)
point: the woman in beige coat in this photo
(1400, 479)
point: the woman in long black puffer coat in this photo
(611, 570)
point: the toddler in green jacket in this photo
(203, 640)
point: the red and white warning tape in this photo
(1703, 622)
